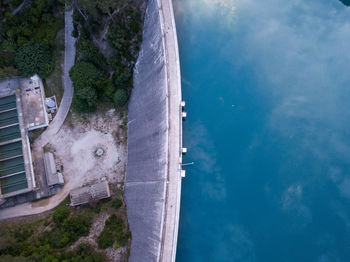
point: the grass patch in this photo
(114, 230)
(117, 203)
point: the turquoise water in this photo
(267, 86)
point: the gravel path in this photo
(69, 57)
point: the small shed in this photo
(84, 195)
(52, 176)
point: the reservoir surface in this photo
(267, 91)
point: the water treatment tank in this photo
(50, 102)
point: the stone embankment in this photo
(153, 172)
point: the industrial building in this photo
(53, 174)
(84, 195)
(22, 109)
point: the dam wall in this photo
(153, 179)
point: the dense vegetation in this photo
(27, 38)
(85, 77)
(45, 240)
(8, 6)
(122, 22)
(49, 238)
(83, 253)
(33, 58)
(113, 232)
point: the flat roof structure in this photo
(22, 109)
(15, 167)
(84, 195)
(33, 102)
(52, 176)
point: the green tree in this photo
(77, 226)
(88, 52)
(106, 6)
(105, 88)
(114, 230)
(85, 76)
(87, 7)
(60, 214)
(117, 38)
(85, 99)
(105, 239)
(33, 59)
(120, 97)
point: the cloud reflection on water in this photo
(299, 51)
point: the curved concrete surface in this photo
(172, 205)
(153, 180)
(69, 59)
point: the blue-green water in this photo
(267, 86)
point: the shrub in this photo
(85, 253)
(38, 23)
(8, 258)
(120, 97)
(117, 203)
(84, 76)
(105, 239)
(85, 99)
(33, 59)
(114, 230)
(122, 80)
(121, 35)
(88, 52)
(60, 214)
(77, 226)
(58, 239)
(105, 88)
(22, 233)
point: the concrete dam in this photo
(153, 170)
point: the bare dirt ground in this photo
(75, 147)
